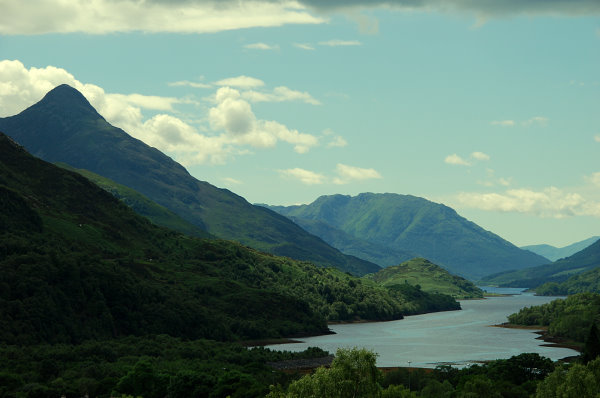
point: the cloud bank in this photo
(550, 202)
(33, 17)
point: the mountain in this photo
(555, 253)
(374, 252)
(558, 271)
(64, 127)
(431, 277)
(77, 264)
(156, 213)
(411, 224)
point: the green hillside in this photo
(411, 224)
(432, 278)
(64, 127)
(374, 252)
(156, 213)
(76, 263)
(586, 282)
(557, 272)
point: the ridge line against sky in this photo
(489, 107)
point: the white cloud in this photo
(232, 181)
(261, 46)
(241, 82)
(337, 142)
(186, 83)
(454, 159)
(304, 176)
(234, 115)
(231, 115)
(480, 156)
(29, 17)
(347, 174)
(536, 120)
(340, 43)
(503, 123)
(550, 202)
(280, 94)
(594, 178)
(304, 46)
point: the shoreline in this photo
(542, 332)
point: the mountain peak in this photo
(66, 98)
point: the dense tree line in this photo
(151, 367)
(353, 373)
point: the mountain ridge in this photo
(64, 127)
(556, 253)
(415, 225)
(557, 272)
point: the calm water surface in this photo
(457, 338)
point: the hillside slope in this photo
(432, 278)
(416, 225)
(156, 213)
(64, 127)
(78, 264)
(558, 271)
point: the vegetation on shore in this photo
(574, 319)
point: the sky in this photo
(491, 107)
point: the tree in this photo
(353, 373)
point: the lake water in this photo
(457, 338)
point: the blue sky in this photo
(490, 107)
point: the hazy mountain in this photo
(411, 224)
(555, 253)
(431, 277)
(558, 271)
(64, 127)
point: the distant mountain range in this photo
(556, 253)
(391, 228)
(64, 127)
(558, 271)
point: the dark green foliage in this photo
(417, 301)
(557, 272)
(591, 348)
(586, 282)
(405, 224)
(150, 366)
(570, 318)
(353, 374)
(575, 381)
(64, 127)
(432, 278)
